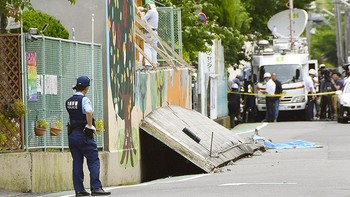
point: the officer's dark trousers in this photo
(270, 109)
(326, 106)
(80, 147)
(309, 108)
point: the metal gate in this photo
(58, 63)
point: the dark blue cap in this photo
(82, 81)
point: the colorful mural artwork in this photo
(121, 68)
(142, 92)
(136, 93)
(158, 88)
(166, 87)
(177, 84)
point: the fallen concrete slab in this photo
(197, 138)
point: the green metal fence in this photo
(169, 27)
(63, 60)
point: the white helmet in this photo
(267, 75)
(312, 72)
(234, 86)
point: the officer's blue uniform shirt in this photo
(86, 103)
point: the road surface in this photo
(290, 172)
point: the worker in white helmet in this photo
(310, 89)
(152, 19)
(270, 99)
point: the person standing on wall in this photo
(152, 19)
(310, 89)
(270, 99)
(81, 140)
(279, 91)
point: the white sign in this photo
(12, 24)
(50, 84)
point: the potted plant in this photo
(40, 127)
(99, 125)
(55, 129)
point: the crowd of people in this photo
(319, 106)
(327, 81)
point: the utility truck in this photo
(287, 55)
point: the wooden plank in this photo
(144, 55)
(162, 43)
(160, 52)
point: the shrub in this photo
(37, 19)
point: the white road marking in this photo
(161, 181)
(238, 184)
(253, 130)
(186, 179)
(117, 187)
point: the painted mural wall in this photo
(132, 95)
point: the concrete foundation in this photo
(52, 172)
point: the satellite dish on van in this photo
(279, 23)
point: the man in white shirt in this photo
(310, 89)
(270, 99)
(151, 18)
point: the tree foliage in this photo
(224, 22)
(262, 10)
(232, 21)
(36, 19)
(13, 8)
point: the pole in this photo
(347, 35)
(308, 34)
(211, 143)
(291, 24)
(92, 58)
(24, 84)
(338, 35)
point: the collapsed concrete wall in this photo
(196, 137)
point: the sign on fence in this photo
(32, 75)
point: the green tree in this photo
(225, 21)
(262, 10)
(12, 8)
(36, 19)
(232, 21)
(323, 45)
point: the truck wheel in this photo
(342, 120)
(261, 116)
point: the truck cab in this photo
(291, 68)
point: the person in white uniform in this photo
(152, 18)
(310, 89)
(270, 99)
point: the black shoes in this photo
(83, 193)
(99, 192)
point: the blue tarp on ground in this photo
(288, 145)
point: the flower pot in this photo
(39, 131)
(55, 131)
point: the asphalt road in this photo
(290, 172)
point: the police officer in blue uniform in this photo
(81, 141)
